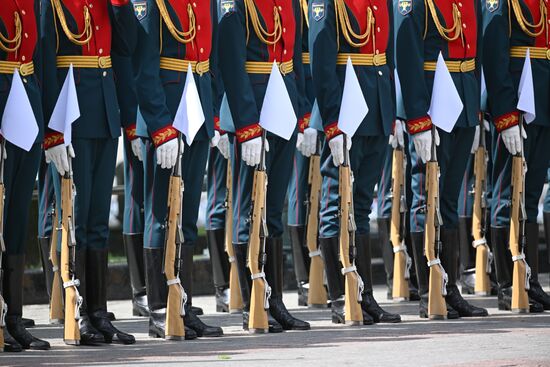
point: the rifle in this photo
(56, 298)
(261, 291)
(437, 308)
(518, 217)
(354, 284)
(484, 257)
(73, 300)
(177, 298)
(235, 297)
(3, 305)
(317, 296)
(402, 261)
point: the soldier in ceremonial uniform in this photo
(298, 185)
(428, 28)
(363, 31)
(82, 33)
(173, 35)
(254, 34)
(132, 225)
(19, 35)
(511, 28)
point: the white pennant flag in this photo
(19, 125)
(226, 119)
(66, 110)
(399, 106)
(526, 91)
(446, 105)
(277, 115)
(353, 109)
(189, 116)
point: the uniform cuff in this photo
(303, 123)
(120, 2)
(130, 132)
(163, 135)
(52, 140)
(419, 125)
(217, 125)
(506, 121)
(248, 132)
(332, 130)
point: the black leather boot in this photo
(301, 261)
(422, 275)
(96, 292)
(369, 304)
(449, 260)
(10, 344)
(274, 276)
(220, 267)
(14, 267)
(335, 281)
(245, 284)
(546, 220)
(387, 253)
(133, 243)
(467, 255)
(536, 293)
(157, 294)
(190, 319)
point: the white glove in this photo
(397, 138)
(251, 151)
(167, 153)
(475, 144)
(58, 155)
(511, 138)
(308, 145)
(423, 144)
(215, 139)
(224, 146)
(137, 149)
(336, 146)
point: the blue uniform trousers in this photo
(133, 191)
(537, 156)
(46, 198)
(547, 198)
(216, 186)
(20, 169)
(452, 155)
(298, 190)
(156, 193)
(366, 158)
(279, 163)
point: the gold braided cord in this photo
(79, 39)
(532, 30)
(5, 42)
(344, 24)
(445, 33)
(305, 10)
(180, 36)
(264, 36)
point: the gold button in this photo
(199, 27)
(97, 28)
(380, 73)
(284, 52)
(378, 29)
(202, 50)
(25, 80)
(284, 29)
(460, 4)
(280, 8)
(26, 35)
(463, 25)
(100, 51)
(91, 6)
(104, 74)
(23, 58)
(194, 5)
(23, 12)
(375, 7)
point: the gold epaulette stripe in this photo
(362, 59)
(453, 66)
(86, 62)
(198, 67)
(8, 67)
(534, 52)
(264, 67)
(306, 58)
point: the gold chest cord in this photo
(5, 42)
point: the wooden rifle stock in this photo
(56, 298)
(353, 282)
(68, 261)
(235, 297)
(437, 308)
(520, 278)
(483, 253)
(3, 305)
(259, 297)
(401, 259)
(175, 304)
(317, 295)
